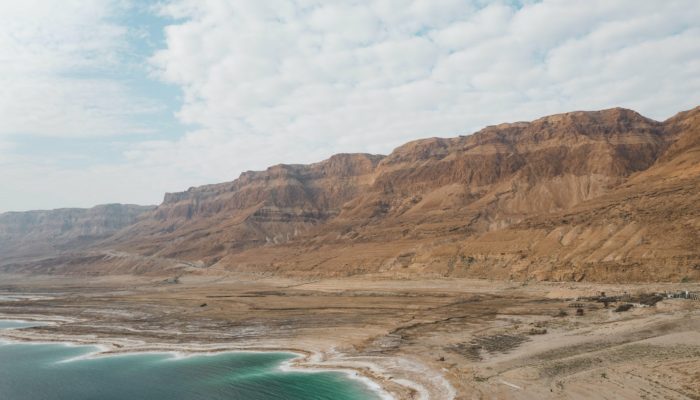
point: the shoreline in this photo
(304, 361)
(414, 340)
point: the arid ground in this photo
(437, 339)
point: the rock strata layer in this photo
(603, 195)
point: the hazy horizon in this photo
(120, 101)
(236, 177)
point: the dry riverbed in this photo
(427, 339)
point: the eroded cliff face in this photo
(525, 200)
(604, 195)
(258, 209)
(40, 233)
(512, 170)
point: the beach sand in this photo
(416, 339)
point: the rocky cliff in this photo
(41, 233)
(603, 195)
(258, 209)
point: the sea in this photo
(50, 371)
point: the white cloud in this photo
(53, 106)
(300, 81)
(52, 53)
(295, 81)
(6, 148)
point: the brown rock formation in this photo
(258, 209)
(38, 233)
(604, 195)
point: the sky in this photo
(107, 101)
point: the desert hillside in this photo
(39, 233)
(602, 196)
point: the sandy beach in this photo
(430, 339)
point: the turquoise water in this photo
(5, 324)
(56, 371)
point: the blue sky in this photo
(123, 100)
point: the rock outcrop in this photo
(603, 195)
(41, 233)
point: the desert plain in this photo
(417, 339)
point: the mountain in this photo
(603, 195)
(33, 234)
